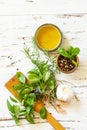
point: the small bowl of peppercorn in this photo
(67, 60)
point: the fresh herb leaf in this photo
(75, 52)
(30, 119)
(13, 100)
(21, 77)
(51, 84)
(40, 83)
(33, 78)
(18, 87)
(20, 95)
(16, 109)
(70, 50)
(43, 113)
(74, 62)
(10, 107)
(46, 76)
(71, 53)
(15, 119)
(63, 52)
(27, 90)
(22, 113)
(30, 101)
(28, 109)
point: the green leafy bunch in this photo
(43, 74)
(70, 53)
(39, 84)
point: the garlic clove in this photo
(64, 93)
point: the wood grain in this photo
(17, 29)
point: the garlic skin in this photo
(64, 93)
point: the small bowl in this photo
(48, 37)
(61, 68)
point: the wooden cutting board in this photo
(38, 106)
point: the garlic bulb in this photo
(64, 93)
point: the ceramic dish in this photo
(65, 65)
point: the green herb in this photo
(43, 113)
(14, 111)
(71, 53)
(20, 77)
(51, 58)
(40, 84)
(13, 100)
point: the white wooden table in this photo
(19, 19)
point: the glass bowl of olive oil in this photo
(48, 37)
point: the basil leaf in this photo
(15, 119)
(74, 62)
(46, 76)
(34, 71)
(22, 113)
(27, 90)
(63, 52)
(29, 101)
(75, 51)
(16, 109)
(70, 50)
(43, 113)
(44, 67)
(30, 119)
(28, 109)
(51, 84)
(20, 95)
(21, 77)
(33, 78)
(10, 107)
(18, 87)
(14, 100)
(32, 95)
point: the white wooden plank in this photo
(12, 31)
(20, 7)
